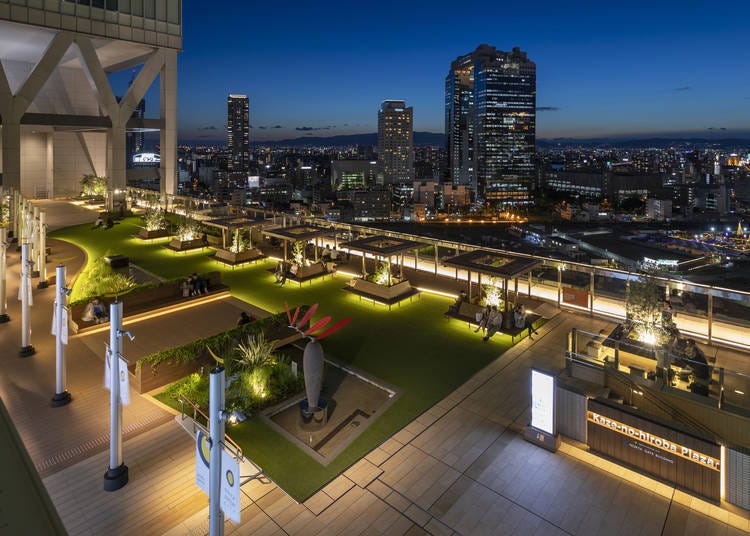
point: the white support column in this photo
(216, 390)
(42, 254)
(115, 159)
(35, 240)
(3, 276)
(168, 134)
(60, 330)
(25, 296)
(117, 472)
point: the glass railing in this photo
(675, 371)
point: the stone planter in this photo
(184, 245)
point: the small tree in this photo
(188, 230)
(155, 219)
(492, 294)
(93, 186)
(239, 242)
(4, 214)
(382, 275)
(643, 304)
(298, 252)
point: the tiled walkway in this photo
(461, 467)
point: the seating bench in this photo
(185, 245)
(516, 332)
(466, 312)
(381, 293)
(142, 300)
(225, 256)
(308, 273)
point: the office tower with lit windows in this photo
(238, 133)
(490, 124)
(395, 142)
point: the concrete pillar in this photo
(11, 142)
(168, 134)
(116, 158)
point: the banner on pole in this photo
(25, 286)
(64, 324)
(229, 495)
(124, 376)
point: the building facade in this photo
(60, 117)
(490, 124)
(395, 142)
(238, 133)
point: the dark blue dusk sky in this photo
(645, 67)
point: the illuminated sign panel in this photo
(543, 401)
(688, 461)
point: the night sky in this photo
(322, 68)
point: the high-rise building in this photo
(135, 139)
(238, 133)
(395, 142)
(490, 123)
(60, 117)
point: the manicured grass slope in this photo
(413, 347)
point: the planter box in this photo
(143, 234)
(229, 257)
(382, 291)
(144, 378)
(185, 245)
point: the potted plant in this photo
(155, 224)
(188, 236)
(238, 251)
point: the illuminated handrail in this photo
(182, 399)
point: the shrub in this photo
(188, 230)
(101, 280)
(154, 219)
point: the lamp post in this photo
(216, 394)
(60, 330)
(3, 275)
(117, 472)
(24, 292)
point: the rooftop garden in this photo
(413, 347)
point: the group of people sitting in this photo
(491, 321)
(329, 254)
(686, 354)
(194, 285)
(95, 311)
(99, 223)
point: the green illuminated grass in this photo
(412, 347)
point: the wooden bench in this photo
(467, 312)
(514, 332)
(382, 294)
(142, 300)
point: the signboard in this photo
(678, 457)
(575, 296)
(124, 376)
(230, 476)
(543, 401)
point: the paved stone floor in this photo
(460, 468)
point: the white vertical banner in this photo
(124, 376)
(202, 455)
(230, 487)
(64, 334)
(25, 287)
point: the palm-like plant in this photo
(255, 352)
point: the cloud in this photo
(207, 128)
(263, 128)
(682, 88)
(310, 129)
(277, 126)
(547, 108)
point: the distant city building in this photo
(396, 142)
(238, 133)
(658, 209)
(134, 139)
(351, 174)
(490, 123)
(365, 205)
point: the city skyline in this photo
(648, 70)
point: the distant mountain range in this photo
(435, 139)
(371, 139)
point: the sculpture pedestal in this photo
(313, 418)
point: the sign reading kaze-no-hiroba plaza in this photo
(688, 461)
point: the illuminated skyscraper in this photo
(396, 142)
(490, 123)
(238, 133)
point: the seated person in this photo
(334, 254)
(483, 319)
(243, 319)
(110, 223)
(94, 312)
(521, 320)
(326, 253)
(453, 309)
(99, 222)
(494, 323)
(696, 360)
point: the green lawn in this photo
(412, 347)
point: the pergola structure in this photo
(383, 248)
(298, 233)
(239, 223)
(493, 264)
